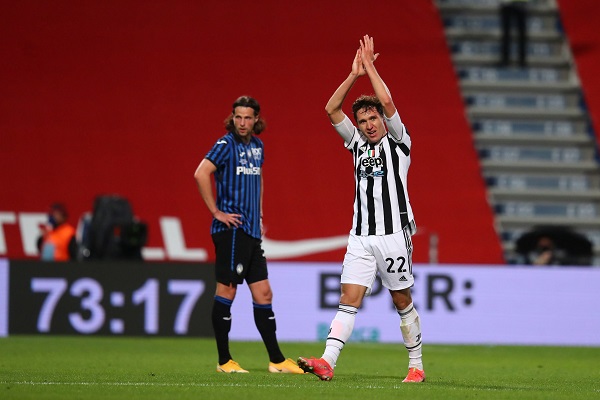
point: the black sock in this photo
(221, 320)
(265, 322)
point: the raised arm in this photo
(334, 105)
(381, 90)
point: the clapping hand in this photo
(367, 51)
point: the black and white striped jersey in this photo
(381, 203)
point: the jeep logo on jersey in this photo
(371, 162)
(247, 170)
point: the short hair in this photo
(367, 103)
(246, 101)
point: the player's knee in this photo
(225, 291)
(351, 300)
(262, 296)
(401, 298)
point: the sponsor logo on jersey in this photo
(374, 174)
(371, 162)
(241, 170)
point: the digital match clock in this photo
(111, 298)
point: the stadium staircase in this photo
(530, 126)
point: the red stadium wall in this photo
(127, 97)
(580, 20)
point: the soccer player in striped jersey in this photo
(236, 161)
(383, 223)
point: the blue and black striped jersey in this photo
(238, 180)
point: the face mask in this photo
(52, 221)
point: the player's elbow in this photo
(388, 108)
(198, 175)
(330, 110)
(335, 114)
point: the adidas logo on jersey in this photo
(403, 279)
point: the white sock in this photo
(339, 333)
(410, 325)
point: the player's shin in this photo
(410, 326)
(221, 320)
(264, 318)
(339, 333)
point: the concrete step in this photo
(516, 112)
(581, 139)
(523, 181)
(523, 76)
(461, 23)
(455, 35)
(503, 194)
(532, 86)
(515, 126)
(583, 209)
(526, 101)
(507, 221)
(493, 166)
(485, 46)
(489, 60)
(560, 155)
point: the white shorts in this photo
(390, 255)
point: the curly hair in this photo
(246, 101)
(367, 103)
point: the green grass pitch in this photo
(38, 367)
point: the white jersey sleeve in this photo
(347, 131)
(396, 128)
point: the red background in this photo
(128, 96)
